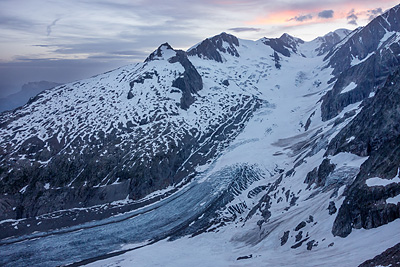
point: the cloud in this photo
(352, 17)
(49, 27)
(114, 32)
(352, 22)
(302, 18)
(244, 29)
(14, 23)
(373, 13)
(128, 53)
(326, 14)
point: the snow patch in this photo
(376, 181)
(356, 60)
(393, 200)
(347, 159)
(23, 189)
(349, 88)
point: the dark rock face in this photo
(377, 61)
(285, 238)
(365, 207)
(332, 208)
(365, 40)
(279, 47)
(374, 132)
(157, 54)
(283, 45)
(329, 41)
(319, 175)
(212, 48)
(290, 41)
(300, 225)
(299, 236)
(245, 257)
(311, 244)
(263, 207)
(390, 257)
(190, 82)
(375, 125)
(297, 245)
(277, 61)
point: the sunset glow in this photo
(35, 35)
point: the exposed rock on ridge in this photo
(213, 47)
(375, 132)
(366, 58)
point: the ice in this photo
(215, 249)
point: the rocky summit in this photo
(275, 152)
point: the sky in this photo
(64, 41)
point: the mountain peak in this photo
(284, 44)
(342, 33)
(321, 45)
(290, 40)
(211, 48)
(164, 51)
(389, 20)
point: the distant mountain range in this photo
(275, 152)
(28, 90)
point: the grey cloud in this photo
(352, 22)
(87, 46)
(302, 18)
(15, 23)
(244, 29)
(41, 45)
(326, 14)
(352, 17)
(49, 27)
(32, 59)
(155, 8)
(373, 13)
(127, 53)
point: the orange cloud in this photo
(341, 11)
(276, 18)
(289, 17)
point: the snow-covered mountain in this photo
(274, 152)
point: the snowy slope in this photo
(222, 156)
(292, 225)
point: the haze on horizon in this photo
(63, 41)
